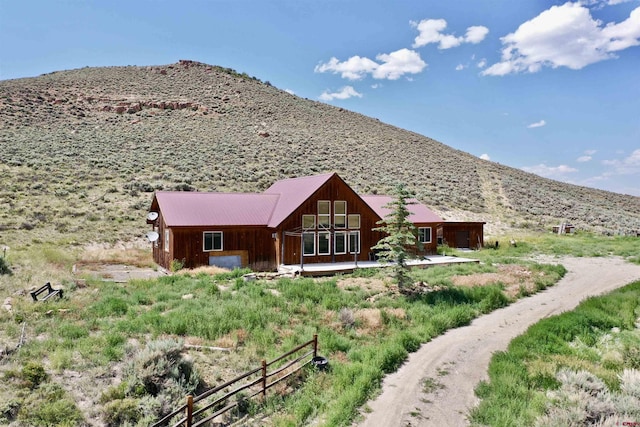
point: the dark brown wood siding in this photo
(162, 255)
(334, 190)
(463, 234)
(430, 248)
(254, 246)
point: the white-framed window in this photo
(324, 243)
(308, 244)
(339, 242)
(212, 241)
(308, 222)
(339, 214)
(354, 221)
(324, 214)
(167, 237)
(354, 242)
(424, 234)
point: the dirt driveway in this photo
(435, 385)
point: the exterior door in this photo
(462, 239)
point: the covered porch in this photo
(319, 269)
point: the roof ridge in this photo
(273, 208)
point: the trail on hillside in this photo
(435, 386)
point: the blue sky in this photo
(550, 87)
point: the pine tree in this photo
(400, 235)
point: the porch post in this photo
(302, 251)
(282, 248)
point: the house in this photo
(311, 219)
(461, 234)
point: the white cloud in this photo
(537, 124)
(482, 63)
(391, 66)
(476, 34)
(549, 171)
(614, 2)
(629, 165)
(621, 175)
(564, 36)
(289, 91)
(431, 31)
(587, 156)
(354, 68)
(397, 63)
(460, 67)
(485, 156)
(344, 93)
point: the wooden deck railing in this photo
(195, 417)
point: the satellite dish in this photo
(153, 236)
(152, 216)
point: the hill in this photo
(82, 150)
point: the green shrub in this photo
(114, 393)
(4, 267)
(176, 265)
(120, 412)
(49, 405)
(9, 410)
(33, 374)
(159, 376)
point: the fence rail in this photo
(266, 380)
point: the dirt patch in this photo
(119, 273)
(515, 278)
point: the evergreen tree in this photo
(4, 267)
(400, 234)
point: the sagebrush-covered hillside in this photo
(81, 152)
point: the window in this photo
(339, 213)
(166, 240)
(308, 244)
(340, 242)
(324, 243)
(308, 222)
(212, 241)
(424, 234)
(354, 242)
(324, 214)
(354, 221)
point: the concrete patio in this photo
(348, 267)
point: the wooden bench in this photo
(50, 292)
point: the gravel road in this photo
(455, 362)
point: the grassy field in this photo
(578, 368)
(99, 356)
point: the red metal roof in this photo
(419, 212)
(184, 208)
(293, 192)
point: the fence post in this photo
(264, 379)
(189, 411)
(315, 345)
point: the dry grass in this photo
(209, 270)
(128, 256)
(514, 277)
